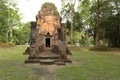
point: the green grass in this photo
(88, 65)
(12, 65)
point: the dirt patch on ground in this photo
(115, 51)
(44, 72)
(49, 72)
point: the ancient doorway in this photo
(47, 42)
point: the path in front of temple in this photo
(44, 72)
(49, 72)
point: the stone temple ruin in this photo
(47, 38)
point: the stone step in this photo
(45, 56)
(47, 61)
(67, 60)
(32, 61)
(64, 60)
(60, 63)
(41, 61)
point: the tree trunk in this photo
(97, 26)
(72, 15)
(7, 36)
(97, 37)
(11, 41)
(71, 36)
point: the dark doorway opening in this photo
(47, 42)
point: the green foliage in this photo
(77, 22)
(73, 21)
(74, 48)
(84, 9)
(22, 35)
(67, 13)
(12, 30)
(111, 30)
(101, 48)
(10, 19)
(3, 20)
(101, 21)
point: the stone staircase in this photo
(47, 54)
(47, 57)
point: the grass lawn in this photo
(12, 65)
(87, 65)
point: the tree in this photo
(102, 19)
(111, 22)
(95, 12)
(68, 14)
(10, 19)
(3, 20)
(13, 17)
(106, 18)
(84, 11)
(21, 35)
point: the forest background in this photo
(94, 23)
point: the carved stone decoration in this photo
(48, 37)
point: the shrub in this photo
(4, 45)
(74, 48)
(99, 49)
